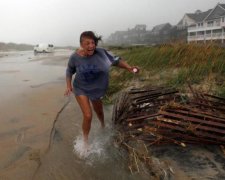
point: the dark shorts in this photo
(78, 92)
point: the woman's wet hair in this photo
(91, 35)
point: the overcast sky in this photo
(61, 21)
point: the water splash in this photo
(99, 143)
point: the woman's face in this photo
(88, 46)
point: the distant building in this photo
(161, 33)
(119, 37)
(199, 27)
(140, 28)
(178, 35)
(139, 35)
(131, 36)
(162, 29)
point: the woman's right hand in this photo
(68, 91)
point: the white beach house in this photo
(206, 26)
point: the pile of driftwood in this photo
(163, 115)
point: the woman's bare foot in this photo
(86, 142)
(102, 125)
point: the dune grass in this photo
(173, 65)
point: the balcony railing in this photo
(200, 36)
(205, 26)
(192, 37)
(216, 34)
(206, 37)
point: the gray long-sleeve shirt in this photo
(92, 72)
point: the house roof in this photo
(199, 17)
(140, 25)
(217, 12)
(180, 22)
(161, 27)
(120, 32)
(222, 5)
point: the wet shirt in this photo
(91, 73)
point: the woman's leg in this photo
(98, 108)
(85, 106)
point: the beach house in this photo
(208, 26)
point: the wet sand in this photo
(26, 130)
(27, 114)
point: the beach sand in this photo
(27, 118)
(26, 131)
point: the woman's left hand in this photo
(134, 69)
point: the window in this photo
(192, 34)
(200, 33)
(200, 24)
(217, 22)
(210, 23)
(193, 25)
(217, 31)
